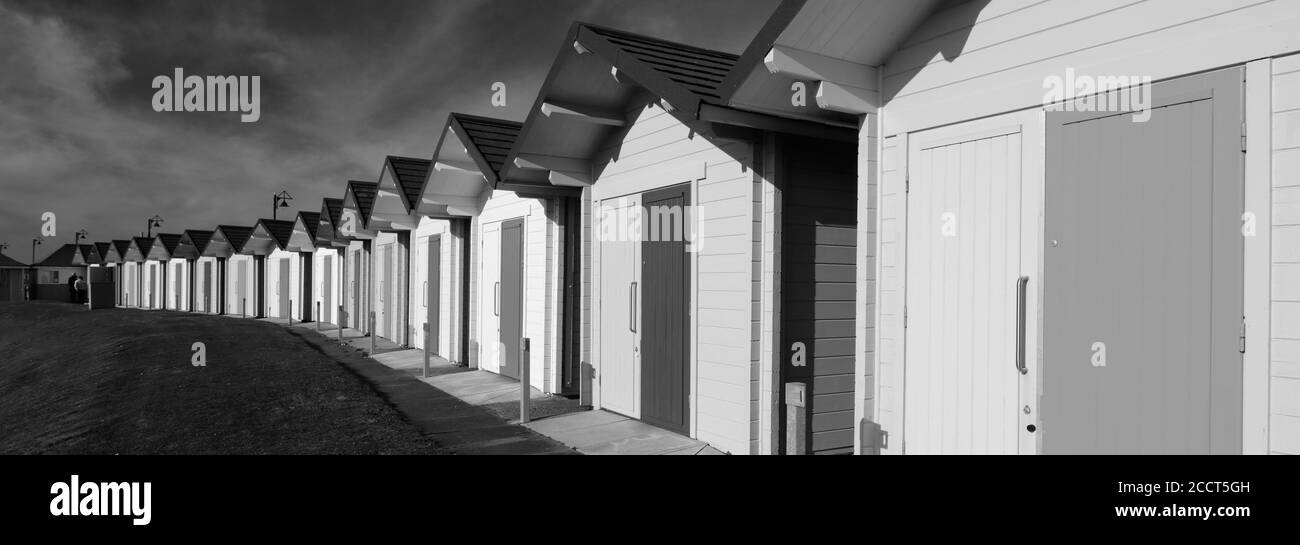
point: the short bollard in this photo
(795, 418)
(243, 307)
(426, 350)
(318, 316)
(289, 312)
(525, 394)
(340, 321)
(372, 333)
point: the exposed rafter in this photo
(842, 86)
(589, 114)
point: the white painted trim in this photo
(1258, 259)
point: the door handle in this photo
(496, 299)
(631, 293)
(1021, 284)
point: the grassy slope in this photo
(120, 381)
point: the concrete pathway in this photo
(457, 426)
(603, 432)
(562, 420)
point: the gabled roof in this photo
(165, 245)
(193, 244)
(66, 256)
(331, 210)
(279, 231)
(487, 140)
(101, 250)
(7, 262)
(310, 221)
(118, 250)
(603, 78)
(363, 196)
(139, 250)
(303, 237)
(236, 236)
(86, 255)
(409, 174)
(835, 48)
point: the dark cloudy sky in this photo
(343, 84)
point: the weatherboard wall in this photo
(1284, 341)
(446, 283)
(540, 288)
(659, 151)
(974, 59)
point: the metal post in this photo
(372, 333)
(243, 306)
(340, 321)
(426, 350)
(526, 391)
(318, 315)
(795, 418)
(289, 313)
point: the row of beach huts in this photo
(867, 233)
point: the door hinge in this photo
(1243, 136)
(907, 184)
(1241, 341)
(904, 316)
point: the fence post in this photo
(526, 391)
(426, 349)
(795, 418)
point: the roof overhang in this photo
(303, 238)
(164, 246)
(353, 219)
(117, 251)
(192, 244)
(327, 232)
(227, 240)
(267, 237)
(139, 250)
(390, 211)
(828, 50)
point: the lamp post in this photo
(278, 201)
(155, 221)
(80, 235)
(35, 242)
(31, 271)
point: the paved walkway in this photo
(457, 426)
(559, 419)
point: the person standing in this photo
(82, 290)
(72, 288)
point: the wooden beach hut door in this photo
(620, 321)
(207, 286)
(327, 289)
(512, 296)
(432, 295)
(177, 283)
(1143, 283)
(967, 220)
(282, 287)
(665, 312)
(385, 282)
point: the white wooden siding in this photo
(447, 285)
(975, 59)
(541, 283)
(272, 297)
(891, 286)
(336, 287)
(658, 151)
(1284, 384)
(866, 274)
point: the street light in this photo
(278, 201)
(35, 242)
(80, 235)
(155, 221)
